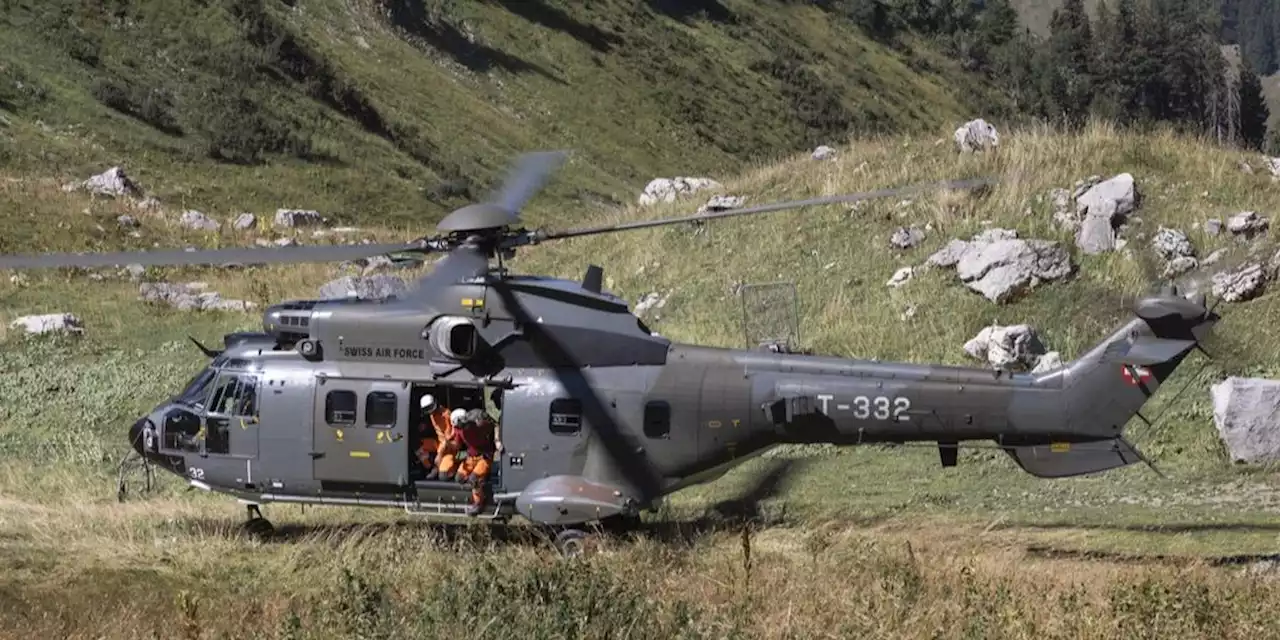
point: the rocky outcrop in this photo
(372, 287)
(190, 297)
(1247, 414)
(1248, 224)
(668, 189)
(976, 135)
(1101, 210)
(1176, 250)
(64, 323)
(823, 152)
(1001, 266)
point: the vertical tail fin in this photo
(1105, 388)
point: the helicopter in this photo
(599, 418)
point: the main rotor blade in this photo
(239, 255)
(526, 178)
(568, 371)
(777, 206)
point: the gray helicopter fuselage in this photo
(322, 406)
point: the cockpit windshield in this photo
(198, 388)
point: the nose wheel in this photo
(257, 526)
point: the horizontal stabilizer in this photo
(1066, 459)
(1148, 351)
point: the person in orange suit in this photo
(478, 433)
(437, 448)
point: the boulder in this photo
(652, 301)
(245, 222)
(900, 277)
(1240, 284)
(976, 135)
(372, 287)
(1171, 244)
(1247, 414)
(1213, 226)
(190, 297)
(1063, 211)
(824, 152)
(722, 203)
(48, 323)
(1048, 362)
(1247, 224)
(292, 218)
(193, 219)
(1101, 209)
(1014, 347)
(1001, 266)
(906, 238)
(668, 189)
(112, 183)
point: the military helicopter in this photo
(599, 417)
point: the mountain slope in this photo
(381, 109)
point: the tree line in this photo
(1138, 62)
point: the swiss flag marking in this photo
(1135, 375)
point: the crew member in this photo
(436, 448)
(477, 432)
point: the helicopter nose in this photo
(136, 436)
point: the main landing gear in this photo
(257, 526)
(572, 543)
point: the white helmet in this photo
(457, 416)
(428, 402)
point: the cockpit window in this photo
(235, 395)
(198, 388)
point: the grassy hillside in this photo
(400, 109)
(889, 544)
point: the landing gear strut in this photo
(257, 526)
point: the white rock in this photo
(127, 222)
(722, 203)
(1272, 165)
(1214, 257)
(1048, 362)
(1248, 223)
(900, 277)
(1241, 284)
(1246, 412)
(906, 238)
(1013, 347)
(1004, 269)
(1171, 244)
(244, 222)
(651, 302)
(48, 323)
(1213, 226)
(976, 135)
(1101, 208)
(190, 297)
(113, 182)
(377, 286)
(297, 218)
(1179, 266)
(668, 189)
(824, 153)
(193, 219)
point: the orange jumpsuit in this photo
(478, 438)
(440, 444)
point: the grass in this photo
(875, 541)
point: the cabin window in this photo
(380, 410)
(340, 408)
(657, 419)
(566, 416)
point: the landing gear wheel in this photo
(571, 543)
(257, 526)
